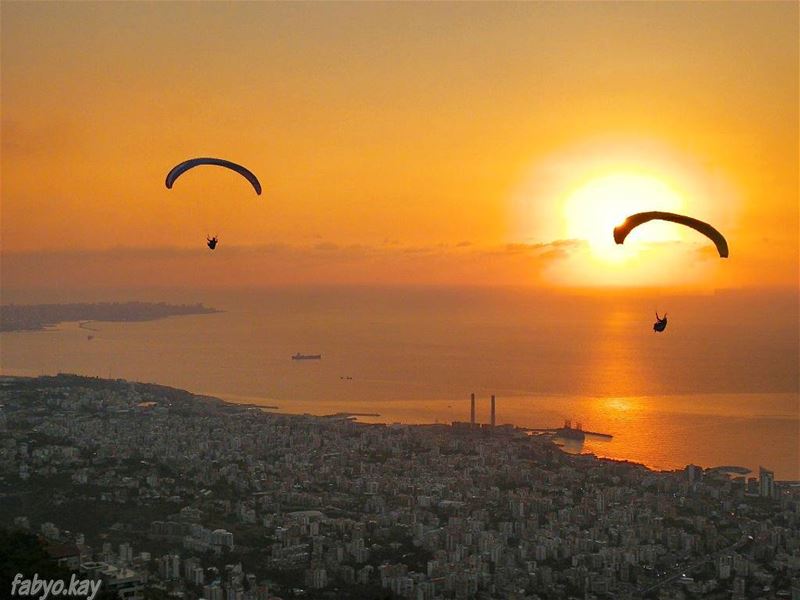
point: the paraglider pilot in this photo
(212, 242)
(660, 324)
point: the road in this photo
(680, 571)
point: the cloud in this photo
(326, 246)
(317, 263)
(544, 248)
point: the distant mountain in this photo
(18, 317)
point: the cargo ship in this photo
(299, 356)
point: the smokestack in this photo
(493, 413)
(472, 408)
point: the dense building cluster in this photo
(227, 502)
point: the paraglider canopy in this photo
(633, 221)
(181, 168)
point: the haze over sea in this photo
(719, 387)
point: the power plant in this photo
(568, 431)
(492, 414)
(472, 409)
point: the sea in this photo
(719, 387)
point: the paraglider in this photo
(633, 221)
(181, 168)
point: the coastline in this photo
(598, 448)
(47, 317)
(218, 404)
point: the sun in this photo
(580, 193)
(595, 207)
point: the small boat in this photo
(299, 356)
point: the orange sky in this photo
(398, 143)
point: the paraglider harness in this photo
(211, 242)
(660, 324)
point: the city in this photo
(162, 494)
(400, 300)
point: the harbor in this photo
(572, 433)
(566, 432)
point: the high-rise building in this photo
(693, 473)
(196, 576)
(766, 483)
(169, 567)
(221, 537)
(213, 591)
(493, 420)
(188, 567)
(724, 565)
(316, 578)
(125, 553)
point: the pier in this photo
(568, 431)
